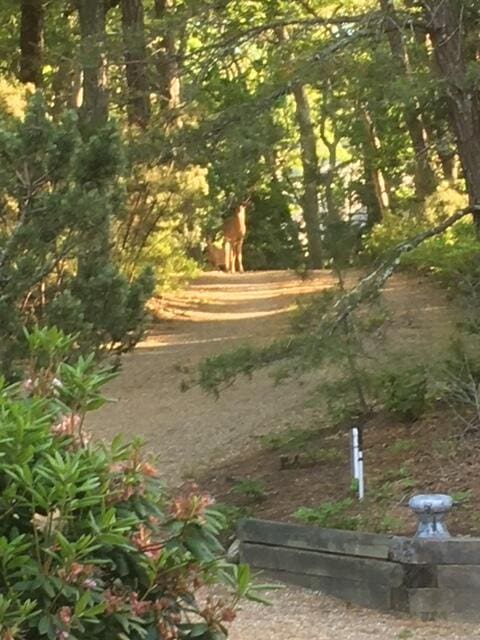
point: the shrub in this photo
(403, 391)
(250, 488)
(60, 196)
(457, 382)
(329, 514)
(92, 545)
(443, 255)
(291, 439)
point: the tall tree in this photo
(309, 156)
(374, 174)
(31, 41)
(308, 145)
(94, 109)
(445, 21)
(167, 61)
(425, 181)
(138, 100)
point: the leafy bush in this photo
(59, 197)
(457, 382)
(250, 488)
(329, 514)
(272, 240)
(443, 255)
(162, 224)
(92, 546)
(289, 440)
(403, 391)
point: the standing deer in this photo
(234, 230)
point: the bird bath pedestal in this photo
(431, 510)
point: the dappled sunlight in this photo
(152, 344)
(218, 297)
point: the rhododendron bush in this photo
(91, 545)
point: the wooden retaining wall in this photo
(429, 579)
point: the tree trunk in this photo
(308, 144)
(167, 63)
(425, 181)
(94, 109)
(374, 173)
(138, 105)
(31, 41)
(447, 34)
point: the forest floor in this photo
(219, 441)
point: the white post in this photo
(357, 460)
(361, 485)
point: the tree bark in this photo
(308, 147)
(308, 144)
(167, 63)
(31, 41)
(94, 109)
(447, 34)
(373, 172)
(138, 105)
(425, 181)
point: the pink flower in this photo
(113, 603)
(142, 540)
(147, 469)
(89, 583)
(190, 505)
(27, 386)
(67, 426)
(79, 574)
(65, 615)
(139, 607)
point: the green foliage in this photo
(457, 382)
(272, 241)
(461, 498)
(401, 445)
(250, 488)
(325, 455)
(403, 391)
(445, 255)
(339, 396)
(233, 515)
(389, 524)
(59, 195)
(289, 440)
(161, 226)
(329, 514)
(92, 545)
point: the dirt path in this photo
(189, 431)
(192, 431)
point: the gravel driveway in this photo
(297, 614)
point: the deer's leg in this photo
(240, 255)
(228, 256)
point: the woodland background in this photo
(129, 128)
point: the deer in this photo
(234, 230)
(215, 255)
